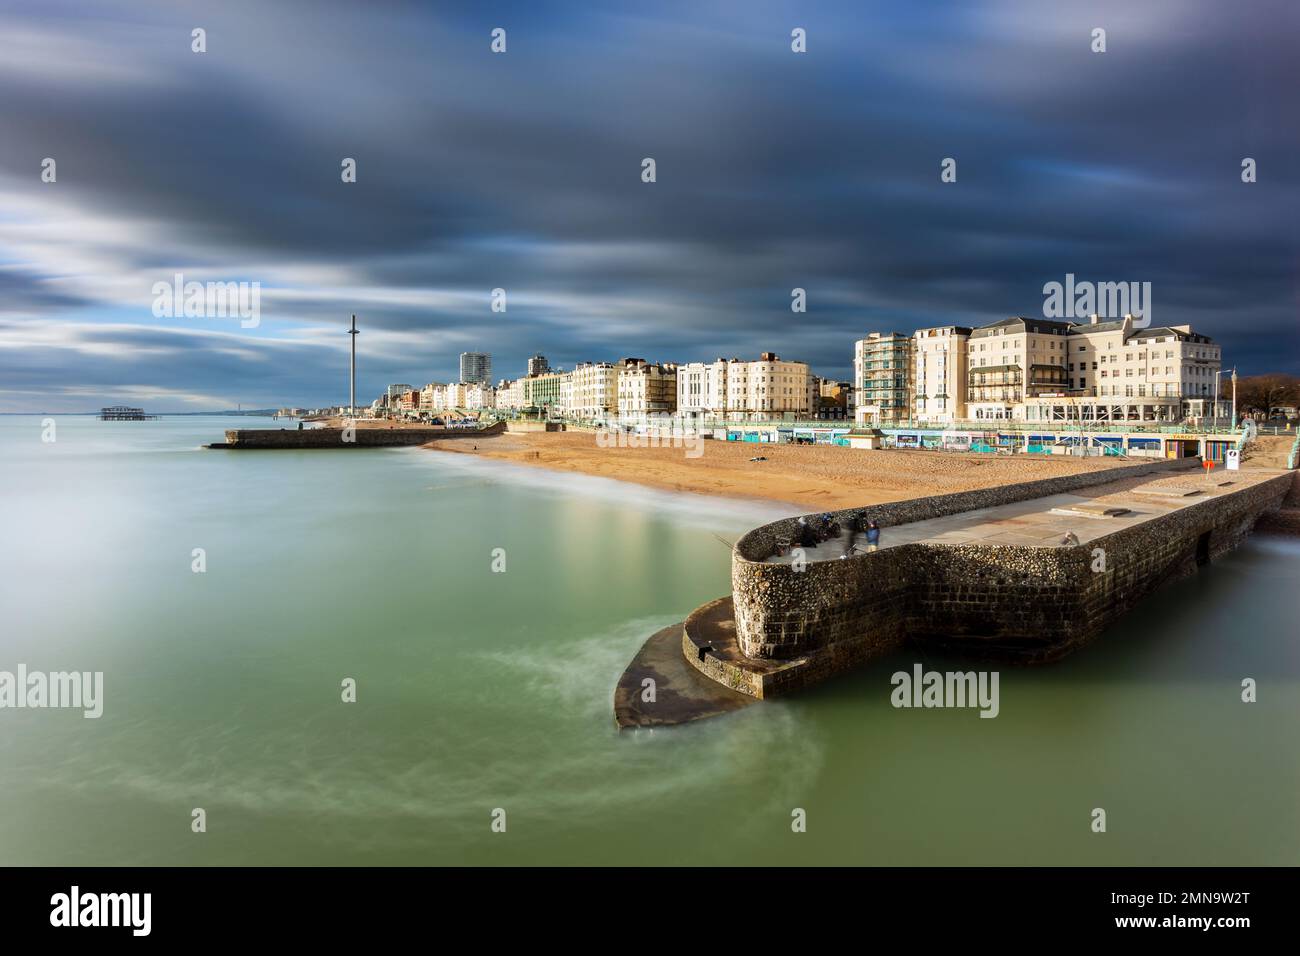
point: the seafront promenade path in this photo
(1047, 522)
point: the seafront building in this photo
(702, 389)
(882, 377)
(770, 388)
(1117, 372)
(479, 396)
(454, 395)
(939, 373)
(1098, 371)
(475, 367)
(542, 392)
(1012, 361)
(537, 365)
(590, 391)
(834, 400)
(646, 388)
(510, 395)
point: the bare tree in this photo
(1266, 392)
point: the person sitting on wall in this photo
(805, 534)
(1070, 540)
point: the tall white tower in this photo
(352, 382)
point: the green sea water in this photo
(479, 690)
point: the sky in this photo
(522, 171)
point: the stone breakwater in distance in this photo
(782, 630)
(263, 438)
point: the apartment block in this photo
(939, 373)
(544, 391)
(590, 391)
(1012, 361)
(770, 388)
(882, 378)
(702, 388)
(646, 388)
(1115, 372)
(475, 367)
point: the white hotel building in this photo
(1117, 373)
(940, 374)
(768, 389)
(590, 391)
(646, 388)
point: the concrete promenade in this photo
(1046, 522)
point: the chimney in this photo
(1094, 318)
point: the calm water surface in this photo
(479, 690)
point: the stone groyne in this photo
(998, 601)
(360, 437)
(986, 574)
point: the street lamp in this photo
(1216, 398)
(1234, 396)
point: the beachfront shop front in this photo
(1040, 444)
(1216, 448)
(1043, 442)
(1182, 446)
(1048, 442)
(789, 435)
(1144, 447)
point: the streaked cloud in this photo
(522, 171)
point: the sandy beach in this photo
(815, 477)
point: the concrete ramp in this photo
(1091, 511)
(681, 693)
(1170, 492)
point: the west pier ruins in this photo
(1025, 572)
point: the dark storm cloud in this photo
(774, 171)
(23, 293)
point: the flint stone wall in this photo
(1031, 604)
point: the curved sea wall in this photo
(1025, 603)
